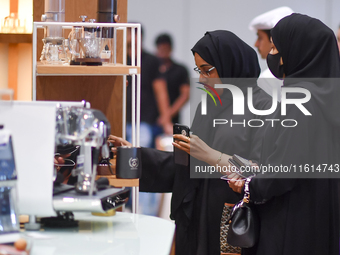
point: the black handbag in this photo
(244, 226)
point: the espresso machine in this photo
(40, 128)
(87, 130)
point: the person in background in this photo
(175, 75)
(177, 79)
(263, 24)
(154, 111)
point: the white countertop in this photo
(122, 234)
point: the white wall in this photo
(188, 20)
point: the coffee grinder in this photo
(53, 50)
(107, 13)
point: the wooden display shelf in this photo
(15, 38)
(118, 69)
(114, 181)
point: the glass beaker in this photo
(92, 43)
(74, 46)
(53, 51)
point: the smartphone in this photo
(242, 161)
(181, 157)
(242, 166)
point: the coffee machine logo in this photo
(133, 163)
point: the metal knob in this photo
(111, 202)
(92, 20)
(83, 18)
(116, 18)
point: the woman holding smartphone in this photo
(300, 213)
(198, 201)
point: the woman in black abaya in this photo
(197, 204)
(300, 215)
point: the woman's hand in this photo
(236, 183)
(60, 160)
(117, 141)
(193, 146)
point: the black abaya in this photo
(300, 216)
(197, 204)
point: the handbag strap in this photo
(246, 197)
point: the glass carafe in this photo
(53, 51)
(74, 39)
(92, 41)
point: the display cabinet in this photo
(103, 86)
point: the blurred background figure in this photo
(176, 76)
(177, 79)
(155, 118)
(263, 24)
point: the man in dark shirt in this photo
(175, 75)
(154, 112)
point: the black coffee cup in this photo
(128, 162)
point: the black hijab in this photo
(307, 46)
(309, 51)
(232, 57)
(236, 63)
